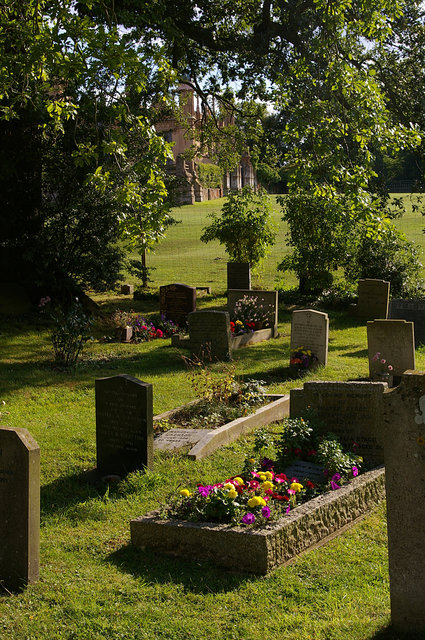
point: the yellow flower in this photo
(253, 502)
(296, 486)
(232, 494)
(251, 460)
(229, 486)
(239, 481)
(267, 485)
(262, 476)
(269, 475)
(261, 501)
(185, 492)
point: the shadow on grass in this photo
(389, 634)
(71, 490)
(194, 575)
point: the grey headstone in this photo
(268, 299)
(209, 334)
(124, 424)
(19, 508)
(176, 301)
(404, 445)
(238, 275)
(127, 289)
(310, 329)
(412, 310)
(395, 342)
(178, 438)
(351, 410)
(373, 299)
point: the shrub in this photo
(210, 175)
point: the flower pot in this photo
(124, 334)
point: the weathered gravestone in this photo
(124, 424)
(404, 446)
(238, 275)
(268, 300)
(19, 508)
(373, 299)
(127, 289)
(394, 341)
(176, 301)
(310, 330)
(209, 334)
(351, 410)
(413, 311)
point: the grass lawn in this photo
(94, 585)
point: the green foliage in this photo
(390, 257)
(332, 457)
(245, 226)
(210, 175)
(70, 331)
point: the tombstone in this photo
(19, 508)
(209, 334)
(176, 301)
(395, 342)
(238, 275)
(373, 299)
(404, 446)
(267, 298)
(124, 425)
(310, 329)
(351, 410)
(413, 311)
(127, 289)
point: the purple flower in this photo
(267, 464)
(205, 491)
(248, 518)
(334, 485)
(355, 471)
(265, 512)
(334, 480)
(288, 508)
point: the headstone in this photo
(413, 311)
(238, 275)
(351, 410)
(19, 508)
(394, 341)
(268, 299)
(404, 445)
(373, 299)
(176, 301)
(310, 329)
(127, 289)
(209, 334)
(124, 424)
(179, 438)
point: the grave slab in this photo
(19, 508)
(179, 438)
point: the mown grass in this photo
(94, 585)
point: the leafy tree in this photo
(244, 225)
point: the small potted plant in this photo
(302, 360)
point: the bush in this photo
(245, 226)
(391, 257)
(210, 175)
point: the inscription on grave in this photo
(351, 410)
(178, 438)
(19, 508)
(176, 301)
(124, 424)
(302, 470)
(310, 329)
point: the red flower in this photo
(297, 451)
(310, 484)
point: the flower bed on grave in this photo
(263, 517)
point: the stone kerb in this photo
(351, 410)
(269, 299)
(373, 299)
(209, 334)
(412, 310)
(394, 340)
(310, 329)
(124, 424)
(176, 301)
(404, 444)
(19, 508)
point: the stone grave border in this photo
(259, 551)
(236, 342)
(276, 409)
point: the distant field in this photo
(181, 257)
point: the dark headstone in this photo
(127, 289)
(404, 445)
(413, 311)
(124, 425)
(209, 334)
(351, 410)
(373, 300)
(238, 275)
(176, 301)
(19, 508)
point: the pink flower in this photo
(265, 512)
(383, 361)
(376, 356)
(390, 368)
(159, 333)
(355, 471)
(291, 492)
